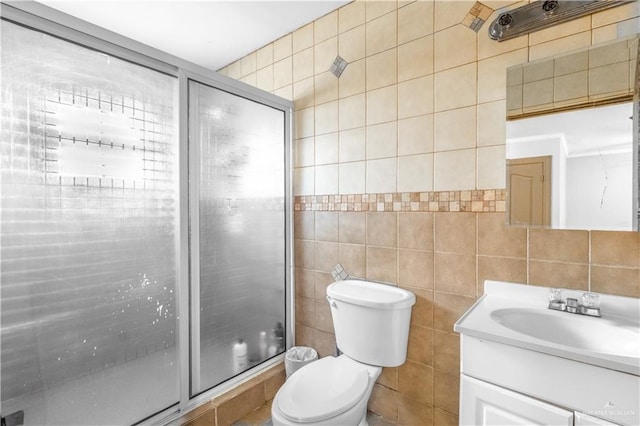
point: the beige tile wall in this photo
(421, 108)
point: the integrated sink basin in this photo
(609, 335)
(518, 315)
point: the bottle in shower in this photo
(239, 356)
(263, 345)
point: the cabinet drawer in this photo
(597, 391)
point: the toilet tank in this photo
(371, 321)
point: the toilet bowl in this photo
(330, 391)
(371, 323)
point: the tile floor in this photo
(262, 417)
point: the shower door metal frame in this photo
(38, 17)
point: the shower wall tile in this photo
(415, 97)
(326, 256)
(381, 175)
(415, 20)
(415, 231)
(326, 118)
(382, 140)
(491, 123)
(454, 46)
(351, 178)
(446, 388)
(351, 44)
(305, 283)
(500, 269)
(491, 167)
(561, 245)
(382, 264)
(455, 129)
(615, 248)
(412, 412)
(420, 348)
(382, 105)
(326, 147)
(303, 64)
(447, 15)
(264, 56)
(415, 268)
(327, 179)
(326, 26)
(415, 135)
(351, 15)
(352, 145)
(304, 93)
(389, 378)
(559, 274)
(415, 381)
(492, 77)
(353, 228)
(422, 314)
(302, 38)
(381, 70)
(381, 33)
(559, 31)
(352, 112)
(384, 402)
(375, 8)
(352, 81)
(304, 181)
(326, 87)
(382, 229)
(415, 173)
(447, 354)
(415, 58)
(282, 72)
(495, 238)
(558, 46)
(325, 53)
(616, 280)
(353, 257)
(304, 225)
(455, 273)
(326, 224)
(454, 170)
(282, 47)
(264, 78)
(455, 87)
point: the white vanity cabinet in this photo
(504, 385)
(523, 364)
(487, 404)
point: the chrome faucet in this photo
(590, 304)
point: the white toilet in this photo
(371, 323)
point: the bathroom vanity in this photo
(523, 363)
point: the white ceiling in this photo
(210, 33)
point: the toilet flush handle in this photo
(332, 302)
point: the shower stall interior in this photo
(145, 227)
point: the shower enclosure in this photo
(144, 214)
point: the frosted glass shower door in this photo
(88, 216)
(238, 158)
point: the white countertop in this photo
(620, 317)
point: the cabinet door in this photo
(482, 403)
(586, 420)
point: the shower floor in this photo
(116, 395)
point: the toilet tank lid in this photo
(367, 293)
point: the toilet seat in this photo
(323, 389)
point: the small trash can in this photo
(297, 357)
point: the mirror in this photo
(571, 146)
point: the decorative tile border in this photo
(488, 200)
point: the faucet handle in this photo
(555, 295)
(591, 300)
(555, 300)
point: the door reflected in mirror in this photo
(572, 170)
